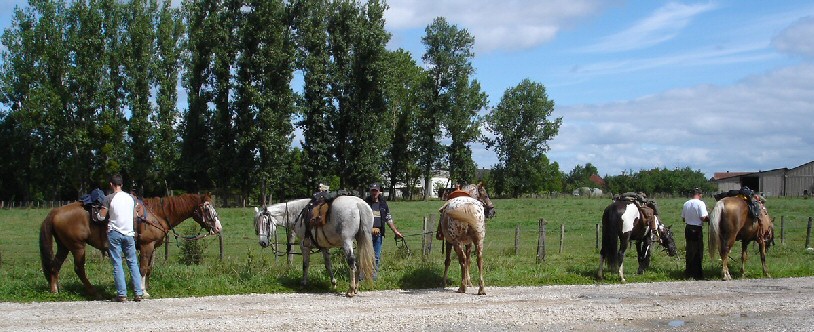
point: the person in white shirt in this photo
(120, 207)
(694, 213)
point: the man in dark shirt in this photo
(381, 215)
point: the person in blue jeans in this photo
(381, 215)
(120, 207)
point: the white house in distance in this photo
(440, 179)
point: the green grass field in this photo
(247, 268)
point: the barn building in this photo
(794, 182)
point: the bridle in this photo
(263, 223)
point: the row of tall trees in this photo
(91, 88)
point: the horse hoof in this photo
(145, 295)
(461, 290)
(350, 294)
(333, 283)
(481, 292)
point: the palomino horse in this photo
(72, 229)
(730, 221)
(349, 218)
(463, 224)
(622, 222)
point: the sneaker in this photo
(119, 298)
(137, 298)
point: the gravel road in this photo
(753, 305)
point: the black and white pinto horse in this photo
(349, 218)
(622, 222)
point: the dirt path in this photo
(754, 305)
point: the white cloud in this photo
(664, 24)
(762, 122)
(496, 25)
(797, 38)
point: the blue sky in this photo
(714, 85)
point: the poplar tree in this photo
(521, 127)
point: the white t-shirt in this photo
(694, 212)
(120, 207)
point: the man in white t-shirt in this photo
(120, 207)
(694, 214)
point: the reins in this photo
(170, 227)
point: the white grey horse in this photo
(349, 218)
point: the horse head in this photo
(206, 216)
(479, 192)
(766, 232)
(264, 225)
(666, 239)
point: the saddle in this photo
(92, 203)
(641, 202)
(750, 197)
(317, 210)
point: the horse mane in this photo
(282, 208)
(175, 206)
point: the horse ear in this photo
(256, 210)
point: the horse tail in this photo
(46, 245)
(715, 229)
(611, 224)
(364, 241)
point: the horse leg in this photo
(725, 249)
(447, 261)
(351, 259)
(744, 255)
(462, 262)
(326, 255)
(762, 245)
(621, 257)
(643, 254)
(601, 275)
(146, 266)
(79, 268)
(479, 252)
(56, 265)
(468, 252)
(306, 259)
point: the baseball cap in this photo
(375, 186)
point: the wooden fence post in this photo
(541, 241)
(562, 235)
(516, 239)
(423, 237)
(220, 244)
(166, 246)
(808, 233)
(428, 234)
(783, 230)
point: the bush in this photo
(191, 250)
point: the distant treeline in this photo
(202, 97)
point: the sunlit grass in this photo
(247, 268)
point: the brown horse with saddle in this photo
(730, 221)
(72, 228)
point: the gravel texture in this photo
(741, 305)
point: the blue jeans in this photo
(377, 250)
(120, 243)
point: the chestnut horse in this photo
(463, 223)
(72, 229)
(622, 222)
(730, 221)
